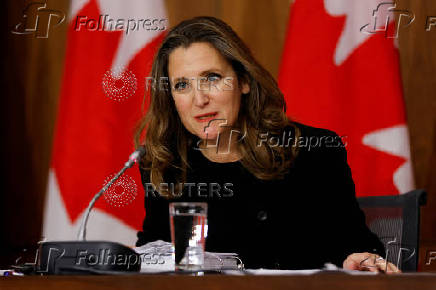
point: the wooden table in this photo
(324, 281)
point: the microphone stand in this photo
(134, 158)
(87, 257)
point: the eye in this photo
(181, 85)
(213, 77)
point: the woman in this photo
(280, 194)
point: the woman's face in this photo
(205, 89)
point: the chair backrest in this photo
(395, 220)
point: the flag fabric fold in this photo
(338, 75)
(110, 48)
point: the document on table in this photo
(158, 257)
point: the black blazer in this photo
(303, 221)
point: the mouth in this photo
(206, 117)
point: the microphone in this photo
(135, 157)
(90, 257)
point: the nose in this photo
(200, 95)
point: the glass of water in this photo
(188, 222)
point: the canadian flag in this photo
(110, 47)
(340, 70)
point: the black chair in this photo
(395, 220)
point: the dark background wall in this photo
(30, 82)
